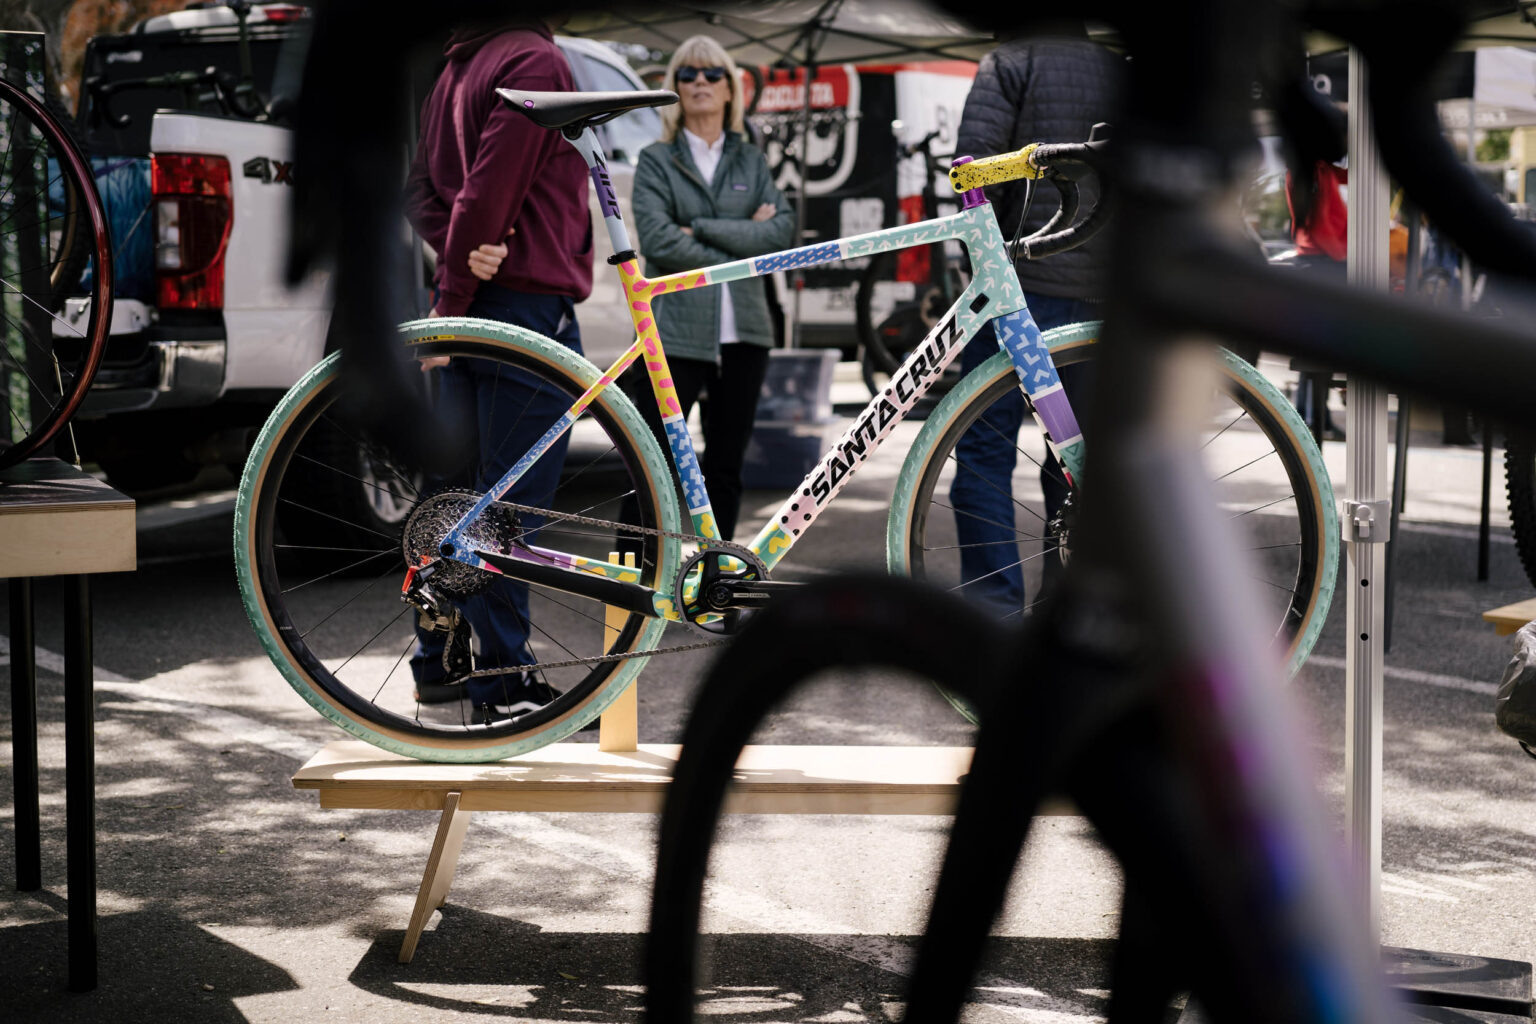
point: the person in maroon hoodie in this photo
(503, 202)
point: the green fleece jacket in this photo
(669, 195)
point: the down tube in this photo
(874, 424)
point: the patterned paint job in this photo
(1019, 336)
(994, 291)
(993, 170)
(805, 256)
(687, 463)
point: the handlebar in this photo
(1064, 164)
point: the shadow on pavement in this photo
(155, 967)
(486, 964)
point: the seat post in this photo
(591, 151)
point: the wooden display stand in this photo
(619, 775)
(1511, 617)
(58, 521)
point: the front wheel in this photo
(1267, 471)
(321, 580)
(1520, 480)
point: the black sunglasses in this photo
(686, 73)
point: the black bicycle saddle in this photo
(564, 109)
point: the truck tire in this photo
(347, 512)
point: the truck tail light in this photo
(193, 211)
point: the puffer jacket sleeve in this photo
(746, 237)
(661, 239)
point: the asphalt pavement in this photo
(225, 895)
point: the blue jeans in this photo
(510, 412)
(982, 489)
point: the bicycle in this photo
(52, 227)
(456, 542)
(939, 277)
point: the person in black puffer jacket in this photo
(1052, 86)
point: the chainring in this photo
(432, 518)
(725, 622)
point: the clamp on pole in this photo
(1367, 522)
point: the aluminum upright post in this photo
(1366, 515)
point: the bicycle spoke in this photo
(1013, 442)
(344, 522)
(338, 572)
(369, 642)
(364, 447)
(305, 635)
(352, 476)
(1242, 414)
(42, 307)
(1005, 493)
(394, 668)
(1258, 508)
(1245, 465)
(992, 522)
(529, 626)
(323, 547)
(1271, 547)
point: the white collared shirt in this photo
(706, 157)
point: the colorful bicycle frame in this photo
(993, 294)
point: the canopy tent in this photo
(795, 32)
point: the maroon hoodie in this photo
(482, 170)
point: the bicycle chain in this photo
(602, 659)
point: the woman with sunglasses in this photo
(704, 195)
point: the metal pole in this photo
(24, 781)
(1366, 514)
(796, 277)
(80, 782)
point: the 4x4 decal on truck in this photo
(271, 172)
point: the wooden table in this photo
(58, 521)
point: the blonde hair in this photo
(702, 52)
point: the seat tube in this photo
(638, 293)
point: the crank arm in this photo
(750, 593)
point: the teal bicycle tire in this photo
(1073, 340)
(254, 530)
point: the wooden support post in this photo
(437, 879)
(619, 727)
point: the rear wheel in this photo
(329, 612)
(52, 331)
(1268, 473)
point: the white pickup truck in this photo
(205, 345)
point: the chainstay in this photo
(551, 516)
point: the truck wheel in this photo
(346, 511)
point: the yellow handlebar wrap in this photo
(992, 170)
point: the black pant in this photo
(730, 393)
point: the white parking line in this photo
(1410, 675)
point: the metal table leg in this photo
(80, 782)
(29, 849)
